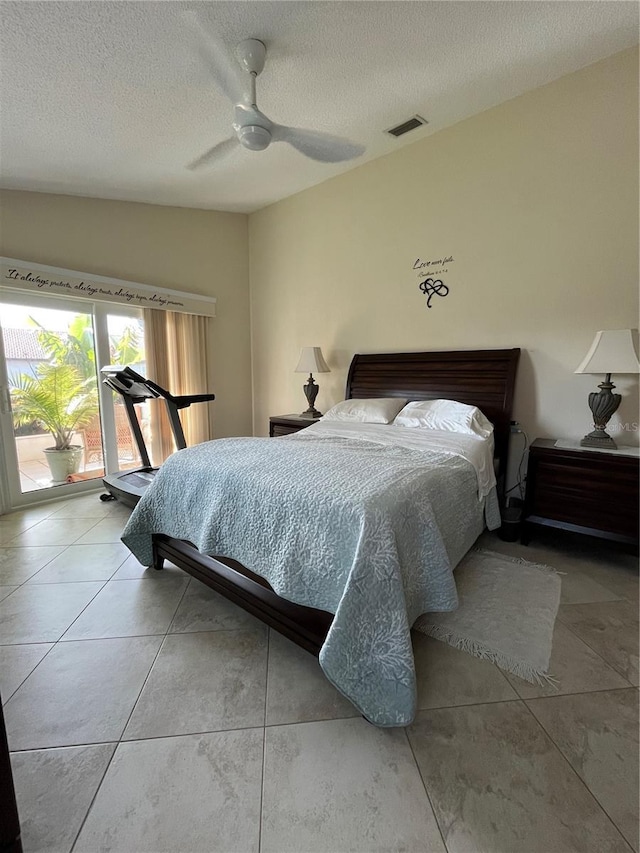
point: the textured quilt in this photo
(366, 532)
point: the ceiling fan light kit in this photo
(253, 129)
(254, 137)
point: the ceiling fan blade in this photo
(223, 66)
(215, 154)
(317, 145)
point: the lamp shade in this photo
(311, 361)
(612, 351)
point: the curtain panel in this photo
(177, 358)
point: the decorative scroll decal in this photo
(430, 276)
(29, 277)
(433, 287)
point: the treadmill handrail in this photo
(187, 399)
(118, 378)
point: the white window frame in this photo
(11, 495)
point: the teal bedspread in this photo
(367, 532)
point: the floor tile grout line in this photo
(153, 663)
(30, 526)
(30, 582)
(578, 776)
(601, 583)
(627, 686)
(152, 634)
(356, 715)
(60, 639)
(29, 674)
(54, 644)
(40, 585)
(514, 698)
(59, 501)
(262, 779)
(141, 739)
(137, 699)
(66, 583)
(93, 597)
(49, 518)
(596, 653)
(104, 584)
(64, 548)
(587, 574)
(264, 740)
(82, 639)
(137, 738)
(244, 630)
(184, 592)
(503, 673)
(52, 516)
(63, 746)
(575, 633)
(130, 636)
(93, 799)
(426, 789)
(266, 677)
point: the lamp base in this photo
(599, 438)
(602, 404)
(311, 392)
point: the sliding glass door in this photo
(61, 428)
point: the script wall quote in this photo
(38, 278)
(432, 272)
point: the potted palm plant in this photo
(59, 399)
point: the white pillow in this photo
(446, 415)
(379, 411)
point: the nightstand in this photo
(584, 491)
(285, 424)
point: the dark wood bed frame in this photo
(482, 378)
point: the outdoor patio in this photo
(34, 471)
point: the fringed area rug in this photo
(506, 612)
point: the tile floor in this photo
(144, 713)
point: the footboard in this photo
(305, 626)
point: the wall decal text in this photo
(430, 276)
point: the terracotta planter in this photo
(62, 463)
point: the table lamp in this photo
(311, 361)
(612, 351)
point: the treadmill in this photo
(129, 486)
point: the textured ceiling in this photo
(112, 100)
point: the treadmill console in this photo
(127, 382)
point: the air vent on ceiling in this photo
(406, 126)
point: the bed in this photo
(361, 636)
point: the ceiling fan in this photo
(253, 129)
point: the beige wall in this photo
(536, 200)
(199, 251)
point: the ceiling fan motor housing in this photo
(254, 137)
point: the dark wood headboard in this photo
(482, 378)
